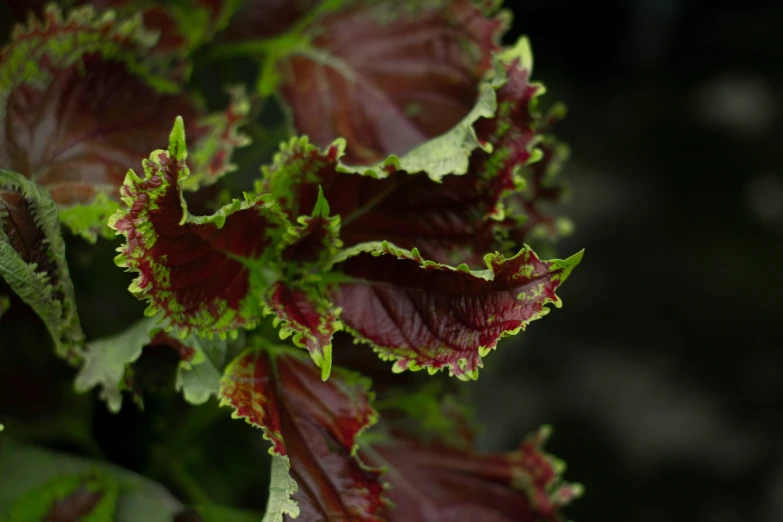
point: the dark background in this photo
(662, 374)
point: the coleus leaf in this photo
(429, 415)
(432, 483)
(407, 209)
(455, 220)
(32, 260)
(525, 156)
(313, 424)
(106, 363)
(182, 26)
(309, 317)
(315, 240)
(193, 270)
(69, 497)
(216, 274)
(414, 77)
(529, 211)
(303, 310)
(212, 152)
(29, 472)
(281, 488)
(263, 19)
(199, 370)
(69, 91)
(424, 314)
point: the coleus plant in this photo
(397, 214)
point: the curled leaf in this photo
(32, 260)
(312, 423)
(309, 317)
(424, 314)
(433, 483)
(80, 107)
(415, 76)
(452, 218)
(315, 240)
(529, 212)
(192, 270)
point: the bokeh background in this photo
(663, 373)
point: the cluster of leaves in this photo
(398, 214)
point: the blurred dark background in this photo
(663, 373)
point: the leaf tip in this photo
(521, 51)
(326, 363)
(567, 265)
(177, 147)
(321, 208)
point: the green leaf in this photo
(199, 378)
(25, 469)
(198, 22)
(88, 498)
(106, 362)
(281, 489)
(90, 220)
(32, 260)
